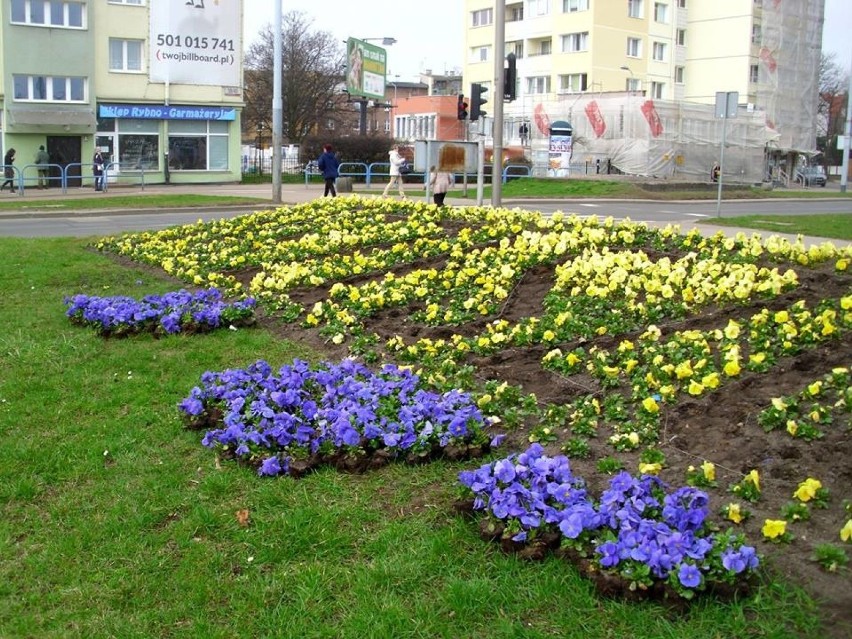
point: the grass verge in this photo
(118, 523)
(834, 226)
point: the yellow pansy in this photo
(774, 528)
(695, 388)
(650, 469)
(792, 427)
(846, 531)
(709, 470)
(735, 513)
(754, 478)
(779, 404)
(650, 405)
(732, 368)
(807, 490)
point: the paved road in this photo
(39, 220)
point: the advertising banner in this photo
(195, 42)
(366, 69)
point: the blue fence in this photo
(58, 176)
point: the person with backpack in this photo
(329, 165)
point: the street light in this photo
(624, 67)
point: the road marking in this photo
(591, 206)
(696, 215)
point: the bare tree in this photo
(833, 83)
(312, 68)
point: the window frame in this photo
(638, 47)
(48, 19)
(48, 88)
(661, 7)
(579, 38)
(658, 51)
(635, 9)
(124, 55)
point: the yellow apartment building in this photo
(637, 81)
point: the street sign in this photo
(726, 104)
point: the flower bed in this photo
(638, 539)
(174, 312)
(340, 414)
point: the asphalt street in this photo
(43, 218)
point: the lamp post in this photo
(630, 86)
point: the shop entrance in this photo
(65, 150)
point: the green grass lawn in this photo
(837, 227)
(118, 523)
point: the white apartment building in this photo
(637, 80)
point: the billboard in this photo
(195, 42)
(366, 69)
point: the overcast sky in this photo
(429, 34)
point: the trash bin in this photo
(344, 185)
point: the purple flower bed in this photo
(293, 419)
(174, 312)
(649, 537)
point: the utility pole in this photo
(277, 107)
(499, 75)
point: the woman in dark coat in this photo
(329, 165)
(9, 171)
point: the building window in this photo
(681, 4)
(125, 55)
(634, 8)
(137, 141)
(678, 75)
(657, 89)
(634, 47)
(680, 36)
(482, 18)
(479, 54)
(49, 13)
(752, 73)
(659, 52)
(198, 145)
(515, 13)
(538, 85)
(755, 33)
(545, 48)
(42, 88)
(573, 82)
(570, 6)
(575, 42)
(539, 7)
(633, 84)
(661, 11)
(516, 47)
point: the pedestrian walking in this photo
(42, 158)
(714, 173)
(329, 164)
(9, 171)
(98, 170)
(440, 181)
(396, 163)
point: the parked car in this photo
(810, 176)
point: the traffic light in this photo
(477, 99)
(510, 79)
(462, 108)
